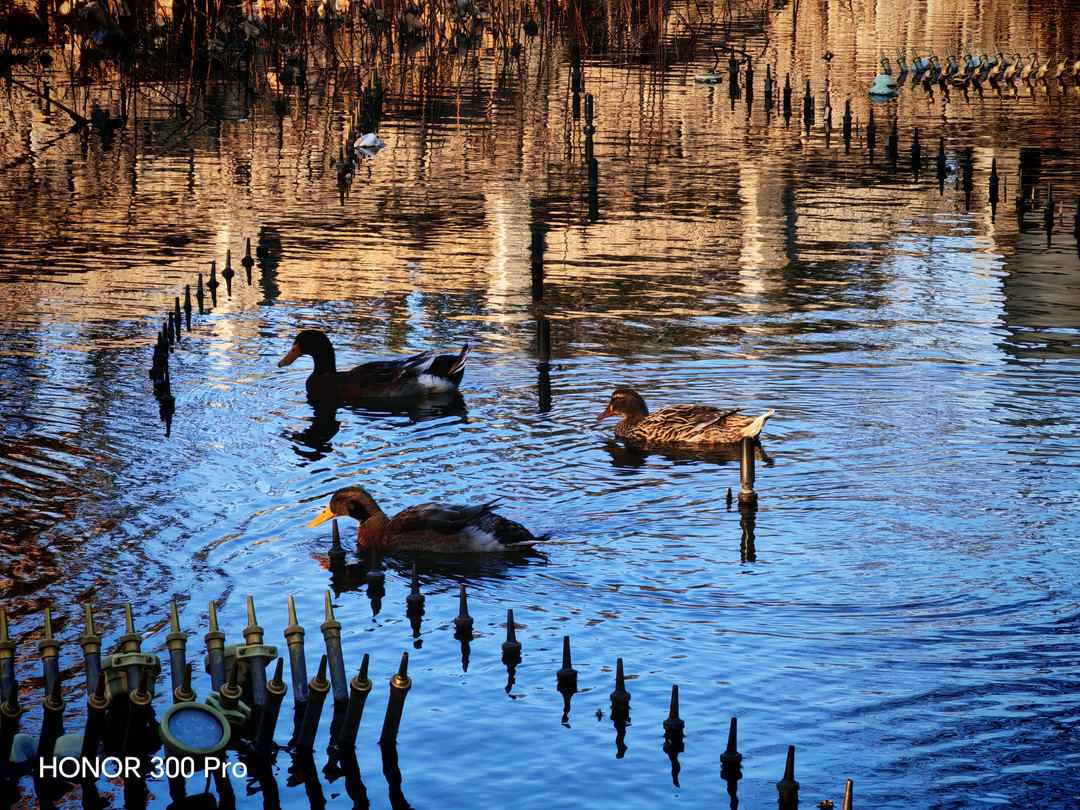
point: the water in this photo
(902, 607)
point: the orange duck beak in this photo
(294, 352)
(324, 516)
(607, 412)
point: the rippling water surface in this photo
(902, 607)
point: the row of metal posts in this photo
(964, 177)
(132, 673)
(177, 320)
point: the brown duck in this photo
(427, 526)
(679, 424)
(416, 376)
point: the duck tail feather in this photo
(459, 364)
(754, 428)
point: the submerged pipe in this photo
(331, 630)
(294, 637)
(10, 712)
(97, 707)
(359, 689)
(52, 723)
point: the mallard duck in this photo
(427, 526)
(419, 375)
(679, 424)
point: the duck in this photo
(419, 375)
(427, 526)
(699, 425)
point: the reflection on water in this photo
(900, 606)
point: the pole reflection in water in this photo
(620, 710)
(393, 776)
(674, 727)
(566, 679)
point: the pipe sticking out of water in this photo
(275, 694)
(10, 712)
(97, 707)
(176, 641)
(359, 689)
(294, 637)
(331, 630)
(400, 684)
(620, 697)
(746, 472)
(511, 647)
(787, 787)
(7, 659)
(215, 652)
(52, 724)
(184, 693)
(318, 688)
(253, 635)
(731, 758)
(673, 724)
(463, 621)
(131, 642)
(49, 648)
(566, 677)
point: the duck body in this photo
(679, 425)
(428, 526)
(420, 375)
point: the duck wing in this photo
(437, 517)
(691, 419)
(380, 372)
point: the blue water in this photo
(901, 608)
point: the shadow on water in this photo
(631, 456)
(314, 441)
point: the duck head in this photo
(625, 401)
(316, 344)
(351, 502)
